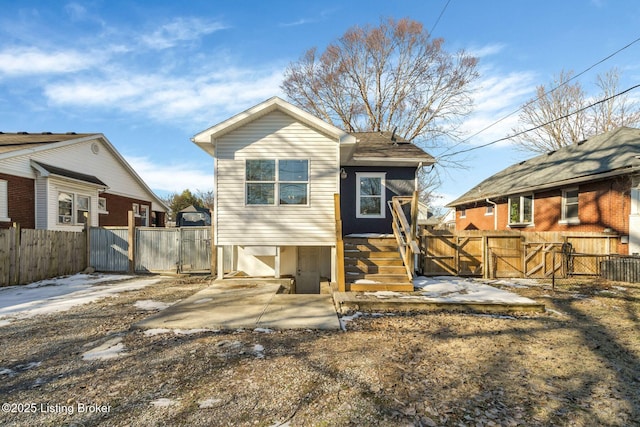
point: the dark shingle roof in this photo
(386, 146)
(20, 140)
(611, 153)
(54, 170)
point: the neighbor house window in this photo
(144, 214)
(136, 209)
(4, 201)
(521, 210)
(570, 206)
(277, 182)
(102, 205)
(463, 212)
(489, 210)
(370, 197)
(73, 208)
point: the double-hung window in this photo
(370, 197)
(521, 210)
(277, 182)
(4, 201)
(73, 208)
(570, 206)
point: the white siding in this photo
(275, 136)
(42, 207)
(4, 201)
(78, 157)
(56, 186)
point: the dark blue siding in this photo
(400, 181)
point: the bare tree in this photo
(560, 117)
(616, 111)
(207, 198)
(386, 77)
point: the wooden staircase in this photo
(374, 264)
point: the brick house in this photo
(592, 186)
(57, 181)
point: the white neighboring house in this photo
(56, 181)
(276, 171)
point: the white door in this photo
(308, 273)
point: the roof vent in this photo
(550, 152)
(522, 162)
(582, 142)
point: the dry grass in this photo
(578, 364)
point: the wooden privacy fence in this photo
(28, 256)
(493, 254)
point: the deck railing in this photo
(405, 230)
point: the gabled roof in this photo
(384, 148)
(609, 154)
(20, 143)
(46, 170)
(207, 138)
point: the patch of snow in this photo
(384, 294)
(163, 402)
(190, 331)
(552, 311)
(203, 300)
(61, 294)
(263, 330)
(619, 288)
(456, 289)
(7, 371)
(150, 305)
(111, 349)
(208, 403)
(345, 319)
(156, 331)
(365, 281)
(28, 366)
(258, 351)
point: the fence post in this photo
(87, 230)
(553, 270)
(131, 240)
(15, 255)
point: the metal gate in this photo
(177, 250)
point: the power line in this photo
(542, 125)
(545, 94)
(439, 16)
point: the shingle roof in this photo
(20, 140)
(386, 146)
(612, 153)
(54, 170)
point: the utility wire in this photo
(542, 125)
(439, 16)
(545, 94)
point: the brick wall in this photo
(22, 201)
(601, 205)
(119, 207)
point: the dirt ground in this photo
(578, 364)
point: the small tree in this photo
(177, 202)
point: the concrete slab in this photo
(234, 304)
(300, 311)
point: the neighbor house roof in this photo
(384, 148)
(21, 143)
(613, 153)
(45, 170)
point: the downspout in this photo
(495, 213)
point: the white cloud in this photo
(496, 97)
(488, 50)
(194, 98)
(173, 177)
(180, 30)
(20, 61)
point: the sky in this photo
(149, 75)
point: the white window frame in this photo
(102, 205)
(144, 214)
(521, 222)
(489, 210)
(78, 210)
(135, 207)
(564, 219)
(4, 201)
(463, 212)
(73, 220)
(383, 196)
(277, 182)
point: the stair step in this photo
(352, 277)
(376, 269)
(369, 254)
(373, 262)
(374, 287)
(384, 241)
